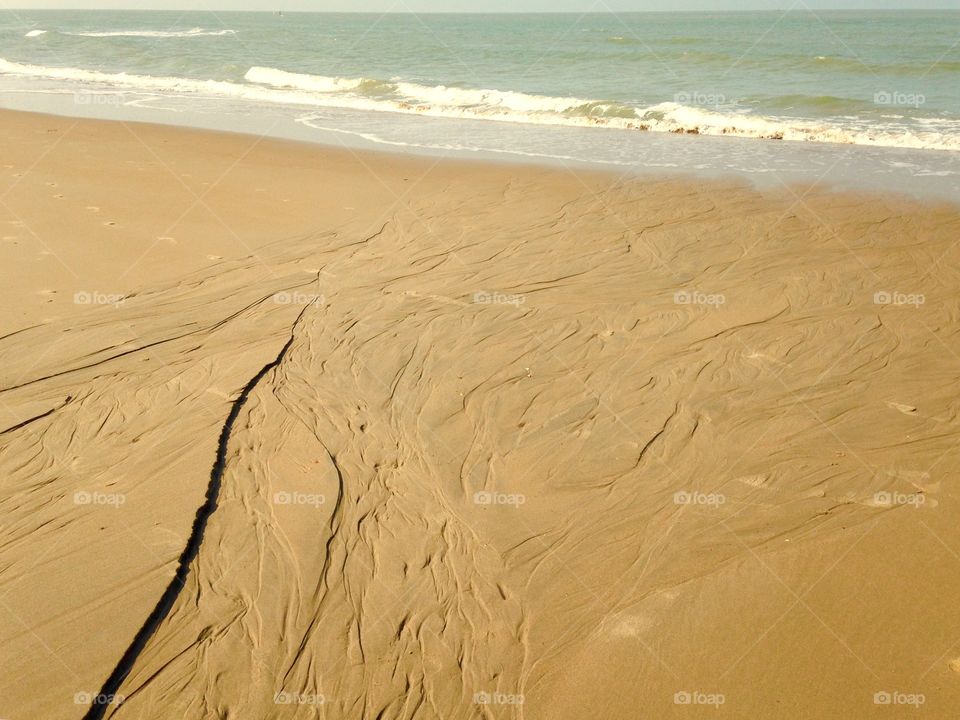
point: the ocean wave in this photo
(815, 103)
(269, 85)
(445, 101)
(855, 65)
(426, 98)
(194, 32)
(35, 33)
(299, 81)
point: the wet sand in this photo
(295, 432)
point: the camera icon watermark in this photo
(698, 498)
(95, 297)
(83, 497)
(896, 298)
(893, 98)
(894, 499)
(297, 498)
(482, 297)
(895, 697)
(696, 697)
(695, 297)
(484, 497)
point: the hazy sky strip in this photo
(422, 6)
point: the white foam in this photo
(445, 101)
(269, 85)
(310, 83)
(412, 93)
(113, 80)
(36, 33)
(679, 118)
(194, 32)
(453, 97)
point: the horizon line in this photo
(502, 12)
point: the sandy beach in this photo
(296, 432)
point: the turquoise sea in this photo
(495, 83)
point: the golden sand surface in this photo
(295, 432)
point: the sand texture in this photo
(459, 440)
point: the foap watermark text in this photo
(893, 499)
(697, 697)
(698, 498)
(298, 298)
(484, 497)
(883, 297)
(298, 498)
(95, 297)
(83, 497)
(482, 297)
(895, 98)
(895, 697)
(296, 698)
(496, 698)
(695, 297)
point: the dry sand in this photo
(468, 453)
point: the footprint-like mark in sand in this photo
(214, 257)
(905, 409)
(93, 208)
(640, 619)
(765, 357)
(110, 223)
(757, 481)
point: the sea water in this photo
(871, 97)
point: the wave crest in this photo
(273, 86)
(193, 32)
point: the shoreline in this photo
(434, 393)
(303, 152)
(763, 163)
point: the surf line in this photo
(105, 698)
